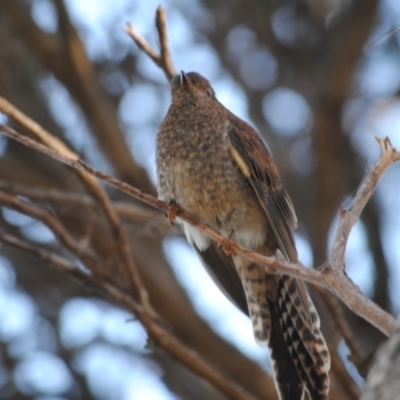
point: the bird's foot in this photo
(171, 214)
(228, 245)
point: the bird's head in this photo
(191, 85)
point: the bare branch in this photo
(154, 325)
(334, 270)
(349, 217)
(381, 38)
(94, 188)
(162, 59)
(347, 291)
(335, 308)
(333, 279)
(161, 24)
(56, 260)
(143, 45)
(88, 257)
(152, 222)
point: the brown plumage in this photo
(217, 168)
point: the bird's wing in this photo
(250, 153)
(223, 272)
(255, 162)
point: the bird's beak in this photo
(183, 79)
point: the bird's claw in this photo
(171, 214)
(227, 246)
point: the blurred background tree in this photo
(318, 79)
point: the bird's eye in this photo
(209, 92)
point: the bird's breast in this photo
(196, 170)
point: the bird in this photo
(216, 167)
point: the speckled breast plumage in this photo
(196, 171)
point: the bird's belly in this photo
(220, 196)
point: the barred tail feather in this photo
(289, 383)
(304, 341)
(287, 322)
(311, 334)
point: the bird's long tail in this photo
(297, 347)
(288, 323)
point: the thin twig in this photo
(166, 60)
(335, 308)
(88, 257)
(131, 212)
(164, 338)
(143, 44)
(162, 59)
(381, 38)
(349, 217)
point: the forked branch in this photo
(163, 58)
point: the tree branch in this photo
(119, 234)
(153, 324)
(54, 225)
(162, 59)
(330, 276)
(151, 221)
(335, 308)
(349, 217)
